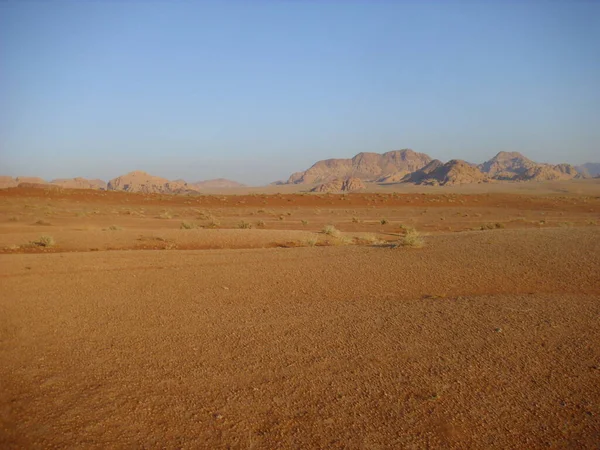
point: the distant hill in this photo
(79, 183)
(589, 169)
(222, 183)
(366, 166)
(516, 167)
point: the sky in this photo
(256, 90)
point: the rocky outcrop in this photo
(341, 185)
(138, 181)
(415, 177)
(365, 166)
(453, 172)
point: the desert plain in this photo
(275, 318)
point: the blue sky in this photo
(256, 90)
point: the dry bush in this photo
(260, 224)
(332, 231)
(114, 228)
(412, 238)
(311, 242)
(165, 215)
(372, 239)
(44, 241)
(43, 222)
(244, 225)
(383, 221)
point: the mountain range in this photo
(347, 174)
(408, 166)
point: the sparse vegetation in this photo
(491, 226)
(13, 219)
(383, 221)
(188, 225)
(304, 222)
(260, 224)
(165, 215)
(244, 225)
(412, 238)
(114, 228)
(355, 220)
(332, 231)
(311, 242)
(43, 223)
(372, 239)
(44, 241)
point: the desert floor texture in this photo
(235, 321)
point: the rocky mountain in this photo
(366, 166)
(348, 184)
(79, 183)
(453, 172)
(516, 167)
(414, 177)
(589, 169)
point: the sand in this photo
(480, 339)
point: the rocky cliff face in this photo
(366, 166)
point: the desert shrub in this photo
(165, 215)
(355, 220)
(383, 221)
(332, 231)
(188, 225)
(244, 225)
(44, 241)
(260, 224)
(213, 224)
(43, 222)
(311, 242)
(304, 222)
(114, 228)
(372, 239)
(412, 238)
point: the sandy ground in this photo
(480, 339)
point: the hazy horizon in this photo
(255, 91)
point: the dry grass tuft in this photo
(245, 225)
